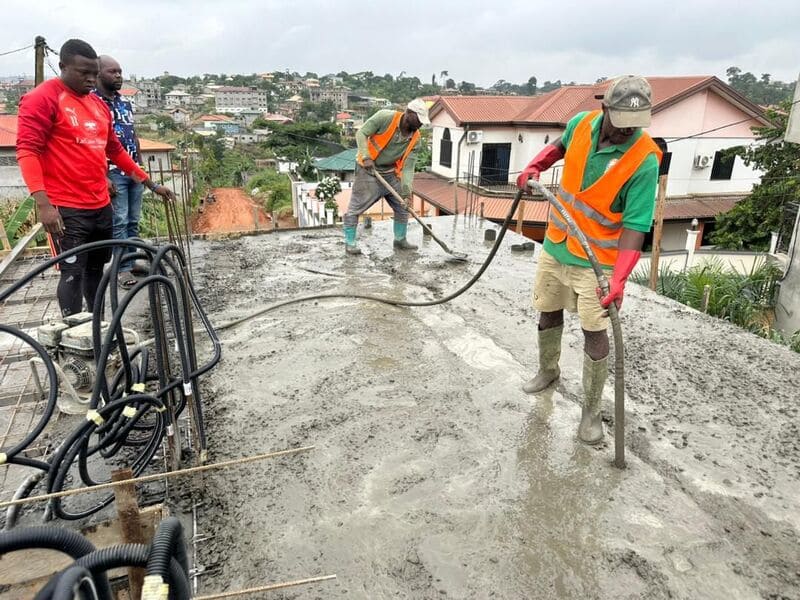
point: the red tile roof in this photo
(8, 131)
(556, 107)
(154, 146)
(128, 91)
(439, 192)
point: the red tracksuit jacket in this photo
(63, 143)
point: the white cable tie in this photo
(95, 417)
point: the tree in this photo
(450, 84)
(467, 88)
(530, 87)
(761, 91)
(750, 223)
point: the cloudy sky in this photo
(474, 41)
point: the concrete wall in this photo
(787, 313)
(12, 186)
(741, 262)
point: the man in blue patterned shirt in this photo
(126, 193)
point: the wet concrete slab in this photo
(435, 476)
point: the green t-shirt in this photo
(393, 151)
(636, 199)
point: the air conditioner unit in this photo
(701, 161)
(474, 137)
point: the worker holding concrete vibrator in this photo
(388, 143)
(608, 188)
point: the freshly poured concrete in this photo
(435, 476)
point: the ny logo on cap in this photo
(634, 102)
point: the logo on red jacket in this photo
(90, 126)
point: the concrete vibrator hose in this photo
(619, 348)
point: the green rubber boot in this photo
(350, 241)
(400, 241)
(549, 353)
(595, 373)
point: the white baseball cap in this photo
(419, 106)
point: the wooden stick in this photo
(154, 477)
(130, 523)
(265, 588)
(658, 230)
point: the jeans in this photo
(127, 210)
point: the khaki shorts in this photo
(559, 287)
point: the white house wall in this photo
(702, 112)
(521, 152)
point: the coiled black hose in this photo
(141, 433)
(127, 555)
(167, 542)
(63, 540)
(75, 582)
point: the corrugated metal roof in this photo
(343, 161)
(677, 209)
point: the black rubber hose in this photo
(22, 492)
(77, 442)
(122, 556)
(64, 540)
(74, 580)
(391, 301)
(167, 542)
(52, 393)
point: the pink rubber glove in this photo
(626, 262)
(549, 155)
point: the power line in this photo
(17, 50)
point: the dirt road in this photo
(233, 210)
(435, 476)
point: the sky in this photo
(480, 42)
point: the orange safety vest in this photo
(378, 141)
(591, 208)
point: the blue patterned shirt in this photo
(122, 116)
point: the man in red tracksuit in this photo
(65, 138)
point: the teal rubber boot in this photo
(400, 241)
(350, 241)
(595, 373)
(549, 353)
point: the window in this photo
(723, 165)
(446, 149)
(8, 161)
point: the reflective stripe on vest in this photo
(378, 141)
(590, 208)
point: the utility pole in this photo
(40, 46)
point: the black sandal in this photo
(126, 280)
